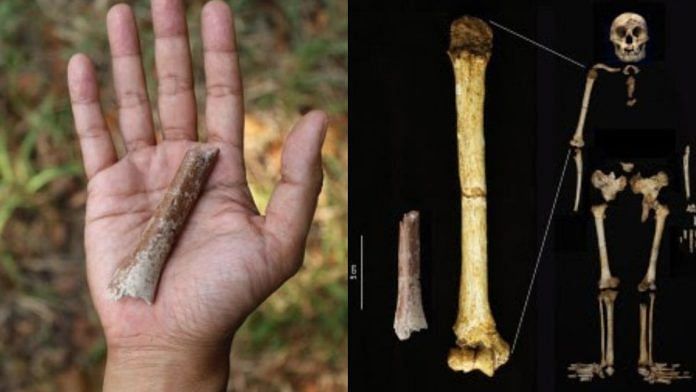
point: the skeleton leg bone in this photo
(648, 282)
(609, 297)
(479, 345)
(606, 280)
(654, 372)
(687, 180)
(643, 360)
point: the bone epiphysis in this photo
(479, 345)
(409, 316)
(650, 189)
(608, 184)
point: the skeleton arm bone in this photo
(687, 179)
(578, 141)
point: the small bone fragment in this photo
(409, 315)
(650, 189)
(608, 184)
(630, 70)
(609, 296)
(578, 184)
(479, 345)
(687, 180)
(648, 283)
(138, 276)
(627, 166)
(606, 281)
(578, 141)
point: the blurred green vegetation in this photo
(294, 58)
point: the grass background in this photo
(294, 58)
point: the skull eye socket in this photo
(637, 31)
(621, 31)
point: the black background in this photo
(403, 156)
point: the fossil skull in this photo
(629, 34)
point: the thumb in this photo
(294, 199)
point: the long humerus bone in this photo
(479, 345)
(578, 141)
(409, 315)
(137, 276)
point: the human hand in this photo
(229, 258)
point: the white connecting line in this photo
(558, 187)
(531, 41)
(541, 251)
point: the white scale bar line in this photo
(362, 249)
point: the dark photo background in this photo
(402, 148)
(404, 156)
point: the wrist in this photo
(166, 369)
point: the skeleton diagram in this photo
(629, 37)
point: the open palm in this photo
(229, 258)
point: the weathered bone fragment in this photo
(648, 283)
(479, 345)
(409, 315)
(578, 141)
(650, 189)
(608, 184)
(606, 280)
(138, 275)
(627, 167)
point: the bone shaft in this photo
(605, 271)
(643, 359)
(469, 72)
(138, 275)
(660, 218)
(650, 328)
(578, 184)
(610, 332)
(589, 83)
(602, 334)
(687, 175)
(479, 345)
(409, 315)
